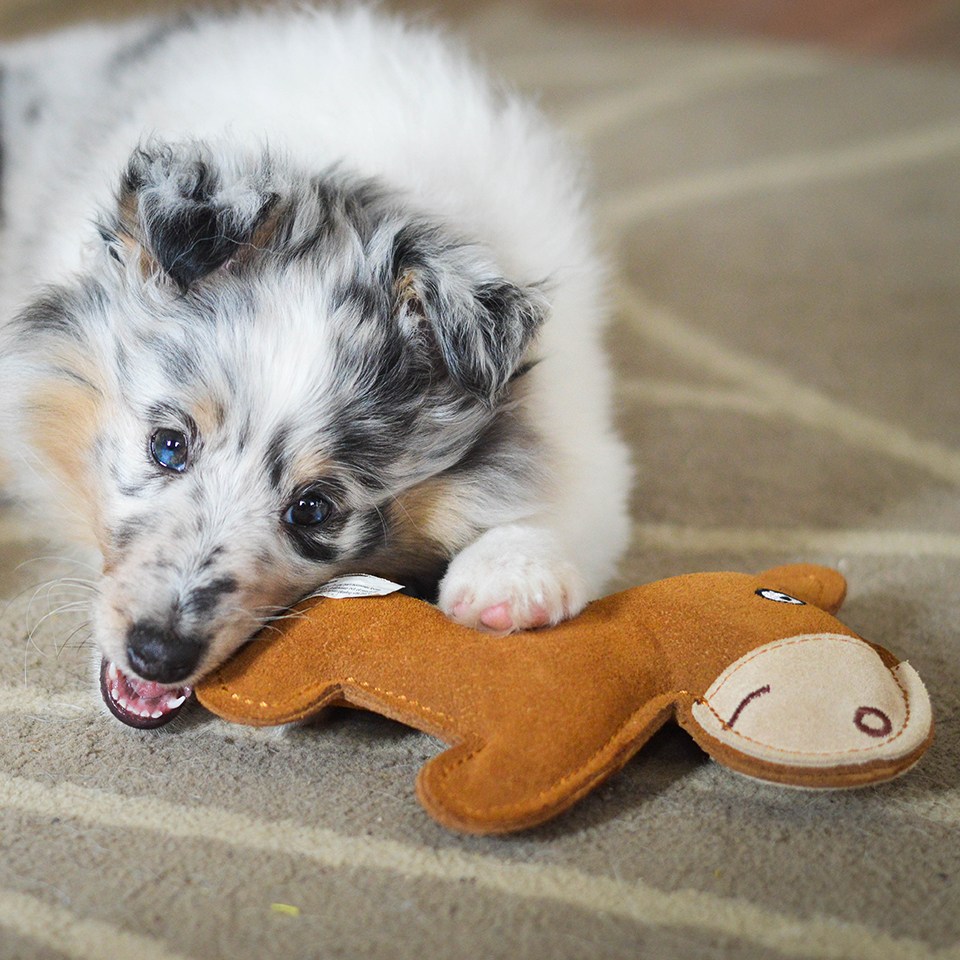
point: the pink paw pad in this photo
(501, 617)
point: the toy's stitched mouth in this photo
(139, 703)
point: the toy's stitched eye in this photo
(308, 509)
(170, 449)
(873, 722)
(779, 597)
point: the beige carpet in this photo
(785, 227)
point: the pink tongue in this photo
(139, 703)
(146, 689)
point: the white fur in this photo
(381, 99)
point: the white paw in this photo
(512, 578)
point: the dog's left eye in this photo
(308, 509)
(169, 448)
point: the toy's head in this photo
(757, 669)
(799, 698)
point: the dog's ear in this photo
(449, 296)
(180, 215)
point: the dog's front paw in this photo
(512, 578)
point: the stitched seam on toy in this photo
(348, 680)
(449, 768)
(399, 697)
(788, 642)
(247, 701)
(808, 753)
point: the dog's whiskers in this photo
(85, 625)
(63, 608)
(54, 558)
(76, 593)
(48, 588)
(276, 617)
(53, 582)
(259, 622)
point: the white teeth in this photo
(123, 703)
(175, 703)
(112, 672)
(156, 715)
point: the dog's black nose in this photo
(161, 654)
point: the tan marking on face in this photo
(431, 513)
(63, 420)
(306, 468)
(208, 414)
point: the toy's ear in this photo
(819, 586)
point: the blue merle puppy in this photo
(289, 294)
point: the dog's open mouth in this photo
(139, 703)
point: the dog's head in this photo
(264, 379)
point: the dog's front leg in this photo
(513, 577)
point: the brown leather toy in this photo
(755, 668)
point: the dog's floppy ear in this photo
(182, 215)
(448, 295)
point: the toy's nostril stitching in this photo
(872, 729)
(759, 692)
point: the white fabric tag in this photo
(357, 585)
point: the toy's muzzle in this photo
(825, 703)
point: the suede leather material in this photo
(537, 719)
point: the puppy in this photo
(290, 294)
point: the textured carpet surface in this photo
(784, 226)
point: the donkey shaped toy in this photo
(756, 668)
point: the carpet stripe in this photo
(942, 806)
(869, 543)
(665, 393)
(74, 936)
(548, 65)
(630, 207)
(84, 704)
(782, 392)
(819, 937)
(33, 701)
(603, 111)
(546, 70)
(933, 801)
(669, 394)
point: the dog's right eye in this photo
(169, 448)
(308, 509)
